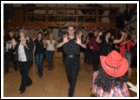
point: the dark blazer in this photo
(28, 51)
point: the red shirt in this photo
(94, 44)
(123, 48)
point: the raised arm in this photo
(78, 41)
(98, 39)
(13, 42)
(115, 41)
(65, 40)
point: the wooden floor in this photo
(53, 83)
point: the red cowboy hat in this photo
(114, 64)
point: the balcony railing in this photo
(83, 16)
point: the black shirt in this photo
(9, 39)
(39, 48)
(106, 47)
(71, 48)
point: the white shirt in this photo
(50, 45)
(21, 53)
(8, 45)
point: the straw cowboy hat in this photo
(114, 64)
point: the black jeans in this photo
(87, 56)
(95, 59)
(25, 78)
(9, 56)
(72, 69)
(134, 61)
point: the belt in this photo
(72, 56)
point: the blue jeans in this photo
(49, 55)
(39, 62)
(128, 57)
